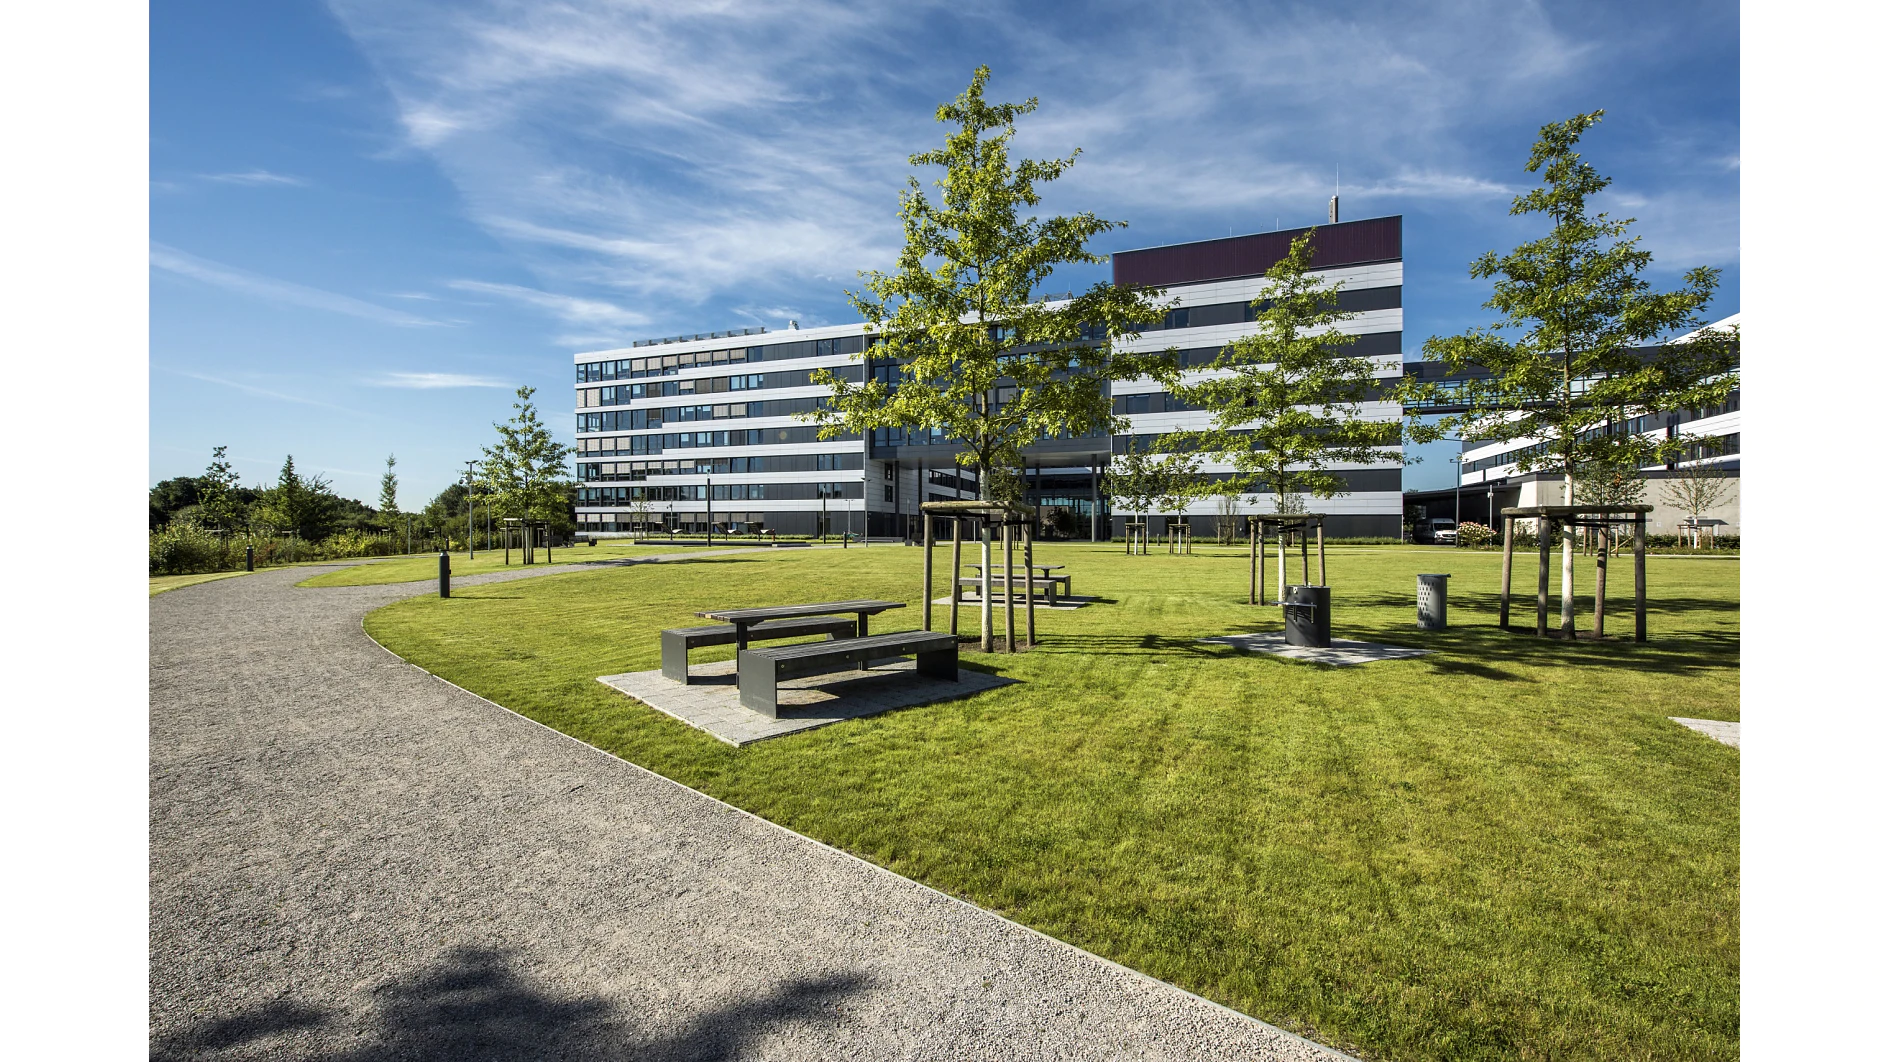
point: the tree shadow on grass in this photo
(1487, 645)
(1445, 666)
(473, 1006)
(1618, 602)
(1122, 645)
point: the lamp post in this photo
(1457, 461)
(708, 493)
(469, 551)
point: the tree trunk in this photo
(1566, 572)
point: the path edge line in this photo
(1085, 953)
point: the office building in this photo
(689, 430)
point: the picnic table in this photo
(1048, 580)
(1045, 569)
(743, 618)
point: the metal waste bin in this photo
(1432, 602)
(1308, 616)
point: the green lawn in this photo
(161, 583)
(1503, 850)
(426, 565)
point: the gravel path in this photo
(352, 860)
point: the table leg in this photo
(862, 633)
(740, 638)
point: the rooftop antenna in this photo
(1337, 189)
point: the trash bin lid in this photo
(1431, 575)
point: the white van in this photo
(1441, 530)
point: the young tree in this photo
(1696, 488)
(1620, 484)
(524, 471)
(1288, 406)
(1578, 346)
(965, 346)
(1179, 482)
(389, 495)
(217, 498)
(1133, 482)
(298, 503)
(1227, 494)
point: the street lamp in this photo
(470, 553)
(1457, 462)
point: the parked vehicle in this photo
(1441, 530)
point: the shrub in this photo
(183, 548)
(1474, 536)
(355, 543)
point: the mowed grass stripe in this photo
(1501, 850)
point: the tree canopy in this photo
(1286, 401)
(962, 342)
(523, 472)
(389, 493)
(1579, 347)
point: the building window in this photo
(888, 493)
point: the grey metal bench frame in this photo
(677, 642)
(1048, 585)
(762, 669)
(1048, 572)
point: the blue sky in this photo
(371, 220)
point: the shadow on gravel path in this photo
(474, 1006)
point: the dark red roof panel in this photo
(1342, 244)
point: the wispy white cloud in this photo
(262, 392)
(270, 289)
(427, 381)
(256, 177)
(569, 308)
(670, 156)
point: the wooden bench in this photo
(762, 669)
(676, 643)
(1049, 586)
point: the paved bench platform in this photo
(761, 670)
(712, 702)
(677, 641)
(1342, 652)
(1054, 586)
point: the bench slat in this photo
(902, 642)
(677, 641)
(760, 670)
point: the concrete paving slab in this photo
(712, 701)
(1342, 653)
(1715, 729)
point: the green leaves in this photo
(218, 505)
(968, 349)
(1286, 402)
(1567, 356)
(389, 493)
(524, 471)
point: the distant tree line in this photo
(205, 522)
